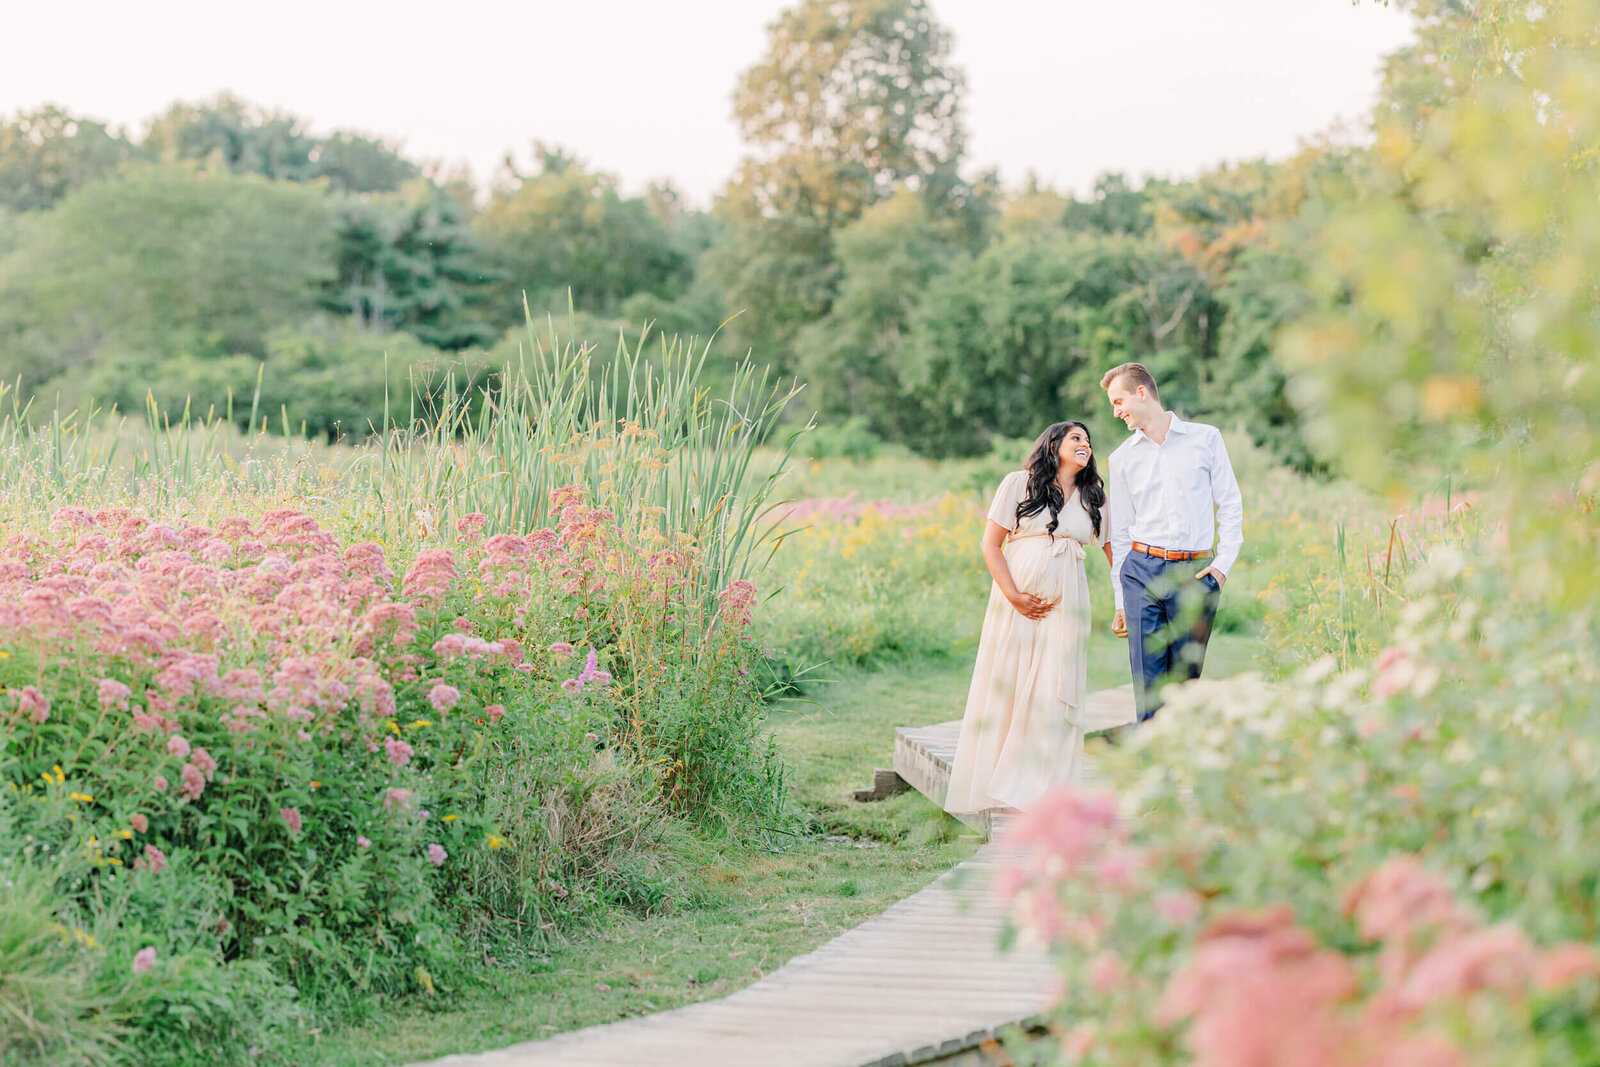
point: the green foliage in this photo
(409, 261)
(250, 140)
(851, 99)
(328, 378)
(886, 259)
(564, 228)
(1017, 337)
(46, 153)
(166, 257)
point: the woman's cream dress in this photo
(1023, 730)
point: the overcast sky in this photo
(642, 88)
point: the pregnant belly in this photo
(1036, 571)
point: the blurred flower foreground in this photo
(1391, 855)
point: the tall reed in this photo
(643, 432)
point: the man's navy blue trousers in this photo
(1169, 615)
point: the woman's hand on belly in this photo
(1030, 606)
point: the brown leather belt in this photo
(1170, 553)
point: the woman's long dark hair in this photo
(1044, 464)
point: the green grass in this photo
(751, 909)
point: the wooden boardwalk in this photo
(923, 983)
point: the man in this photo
(1165, 481)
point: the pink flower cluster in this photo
(254, 637)
(1068, 833)
(1258, 989)
(1260, 992)
(591, 673)
(738, 600)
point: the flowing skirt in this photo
(1022, 734)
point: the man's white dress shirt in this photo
(1162, 496)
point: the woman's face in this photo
(1074, 453)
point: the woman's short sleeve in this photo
(1102, 535)
(1004, 509)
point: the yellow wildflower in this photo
(82, 798)
(451, 818)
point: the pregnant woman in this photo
(1023, 730)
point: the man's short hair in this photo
(1134, 375)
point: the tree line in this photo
(228, 251)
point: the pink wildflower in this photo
(1120, 869)
(450, 646)
(160, 782)
(1179, 908)
(437, 855)
(1077, 1042)
(562, 648)
(1567, 963)
(139, 823)
(291, 818)
(431, 575)
(443, 697)
(1399, 903)
(1260, 991)
(1396, 670)
(113, 694)
(178, 746)
(194, 783)
(154, 860)
(572, 685)
(737, 601)
(1497, 957)
(591, 736)
(31, 702)
(397, 798)
(1106, 972)
(400, 752)
(496, 712)
(144, 959)
(202, 759)
(363, 843)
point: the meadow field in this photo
(313, 760)
(435, 693)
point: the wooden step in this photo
(923, 755)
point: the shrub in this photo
(323, 378)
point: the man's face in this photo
(1124, 401)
